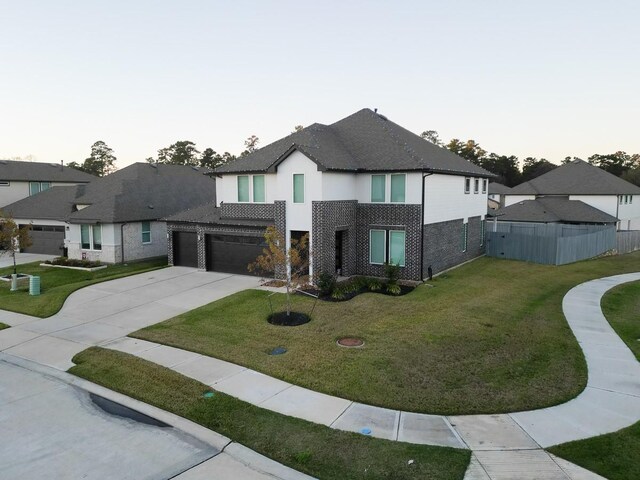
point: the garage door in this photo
(185, 249)
(47, 239)
(233, 253)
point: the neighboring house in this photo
(116, 218)
(366, 190)
(19, 179)
(497, 192)
(554, 209)
(581, 181)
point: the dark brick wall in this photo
(248, 210)
(280, 216)
(443, 244)
(391, 217)
(327, 218)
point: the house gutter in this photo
(424, 176)
(122, 225)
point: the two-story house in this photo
(579, 181)
(366, 190)
(20, 179)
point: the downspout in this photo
(618, 221)
(424, 176)
(122, 242)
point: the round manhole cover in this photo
(351, 342)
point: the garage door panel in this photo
(46, 239)
(185, 249)
(233, 253)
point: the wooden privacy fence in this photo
(551, 244)
(628, 241)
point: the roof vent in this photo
(153, 165)
(150, 207)
(197, 169)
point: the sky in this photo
(545, 79)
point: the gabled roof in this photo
(576, 178)
(498, 188)
(14, 170)
(552, 210)
(364, 141)
(138, 192)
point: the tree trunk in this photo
(15, 268)
(288, 301)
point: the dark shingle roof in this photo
(210, 214)
(576, 178)
(41, 172)
(138, 192)
(364, 141)
(551, 210)
(498, 188)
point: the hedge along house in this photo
(366, 190)
(117, 218)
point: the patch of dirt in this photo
(294, 319)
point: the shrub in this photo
(393, 289)
(326, 284)
(392, 272)
(72, 262)
(340, 292)
(374, 284)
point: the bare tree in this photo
(278, 258)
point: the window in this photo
(465, 231)
(96, 232)
(4, 183)
(396, 247)
(91, 237)
(377, 247)
(476, 185)
(467, 185)
(378, 188)
(34, 187)
(620, 199)
(258, 189)
(298, 188)
(482, 232)
(84, 237)
(484, 185)
(243, 188)
(378, 242)
(44, 186)
(630, 199)
(398, 187)
(146, 232)
(626, 199)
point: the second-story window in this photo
(37, 187)
(467, 185)
(378, 188)
(484, 185)
(476, 185)
(398, 187)
(243, 188)
(258, 189)
(298, 188)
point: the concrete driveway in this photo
(7, 261)
(106, 311)
(49, 429)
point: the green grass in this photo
(58, 283)
(621, 306)
(3, 326)
(317, 450)
(487, 337)
(615, 456)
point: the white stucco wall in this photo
(339, 186)
(445, 199)
(511, 199)
(628, 213)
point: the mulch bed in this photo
(294, 319)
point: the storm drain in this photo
(113, 408)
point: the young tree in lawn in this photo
(277, 258)
(12, 237)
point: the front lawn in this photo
(58, 283)
(317, 450)
(487, 337)
(621, 306)
(3, 326)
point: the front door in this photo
(339, 247)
